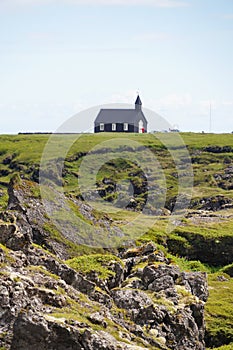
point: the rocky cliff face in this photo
(145, 303)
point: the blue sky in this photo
(58, 57)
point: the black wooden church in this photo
(122, 120)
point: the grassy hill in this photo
(202, 240)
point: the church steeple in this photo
(138, 103)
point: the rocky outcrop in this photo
(225, 179)
(37, 333)
(218, 149)
(10, 233)
(145, 303)
(47, 305)
(212, 203)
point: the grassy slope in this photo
(219, 316)
(22, 154)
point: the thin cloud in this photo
(155, 3)
(228, 16)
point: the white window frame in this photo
(126, 126)
(113, 126)
(101, 126)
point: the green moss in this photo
(215, 239)
(53, 231)
(219, 229)
(42, 270)
(15, 179)
(17, 279)
(3, 271)
(80, 312)
(218, 309)
(35, 190)
(187, 265)
(72, 248)
(3, 335)
(3, 199)
(185, 297)
(45, 251)
(101, 264)
(7, 252)
(77, 310)
(5, 249)
(224, 347)
(158, 299)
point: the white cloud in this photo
(156, 3)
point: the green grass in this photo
(224, 347)
(72, 248)
(228, 269)
(218, 310)
(23, 147)
(24, 153)
(188, 265)
(206, 229)
(101, 264)
(213, 238)
(3, 199)
(42, 270)
(7, 254)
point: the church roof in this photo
(130, 116)
(118, 115)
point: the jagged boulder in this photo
(214, 203)
(153, 272)
(15, 231)
(130, 299)
(118, 277)
(196, 282)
